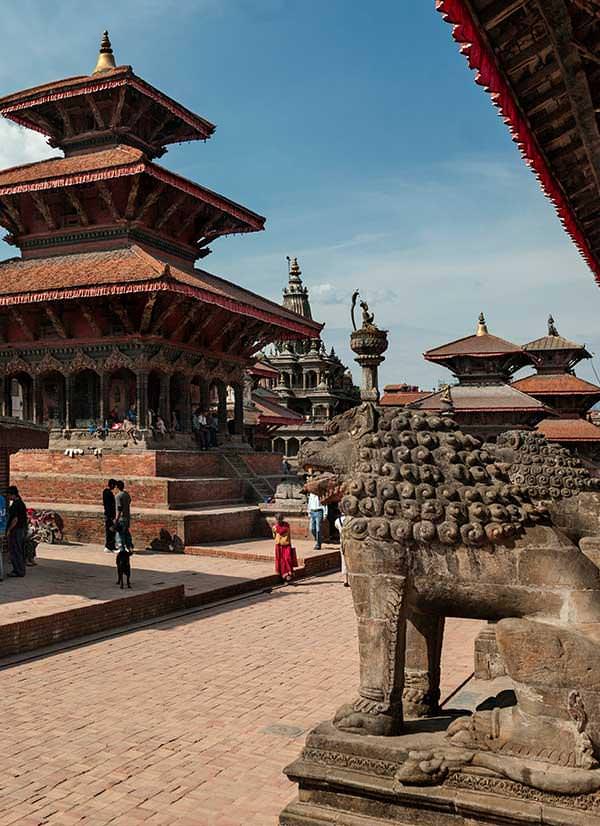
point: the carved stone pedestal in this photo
(351, 780)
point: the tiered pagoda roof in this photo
(106, 221)
(481, 358)
(539, 61)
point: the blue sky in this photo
(358, 131)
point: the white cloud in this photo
(20, 146)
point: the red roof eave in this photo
(255, 221)
(481, 59)
(91, 85)
(290, 325)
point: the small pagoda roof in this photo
(108, 164)
(264, 370)
(554, 343)
(134, 270)
(503, 398)
(569, 430)
(556, 385)
(480, 345)
(22, 107)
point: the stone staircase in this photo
(262, 487)
(179, 498)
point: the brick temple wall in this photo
(145, 493)
(264, 464)
(148, 463)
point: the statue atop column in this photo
(369, 343)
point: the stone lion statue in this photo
(440, 525)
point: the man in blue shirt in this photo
(316, 513)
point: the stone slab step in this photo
(145, 491)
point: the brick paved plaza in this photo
(170, 724)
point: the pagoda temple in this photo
(103, 312)
(484, 402)
(311, 383)
(555, 384)
(111, 336)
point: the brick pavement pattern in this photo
(166, 725)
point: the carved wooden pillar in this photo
(164, 399)
(238, 409)
(103, 400)
(186, 412)
(3, 406)
(36, 413)
(222, 407)
(204, 395)
(142, 398)
(68, 397)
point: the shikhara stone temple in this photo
(106, 322)
(310, 382)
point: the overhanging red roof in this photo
(114, 163)
(557, 384)
(15, 106)
(133, 270)
(569, 430)
(538, 60)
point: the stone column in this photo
(238, 409)
(222, 409)
(142, 399)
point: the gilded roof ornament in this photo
(482, 329)
(106, 58)
(294, 270)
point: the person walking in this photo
(123, 518)
(108, 503)
(316, 513)
(285, 554)
(339, 524)
(15, 531)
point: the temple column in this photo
(68, 397)
(204, 395)
(103, 397)
(186, 412)
(36, 400)
(164, 401)
(142, 399)
(238, 409)
(222, 408)
(3, 405)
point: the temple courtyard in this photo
(183, 719)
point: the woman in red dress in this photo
(285, 555)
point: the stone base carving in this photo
(348, 780)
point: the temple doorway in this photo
(122, 393)
(20, 396)
(52, 397)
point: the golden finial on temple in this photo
(482, 329)
(552, 331)
(106, 58)
(294, 270)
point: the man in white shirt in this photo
(316, 513)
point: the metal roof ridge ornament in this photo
(482, 329)
(552, 331)
(106, 59)
(369, 343)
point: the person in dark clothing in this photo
(123, 518)
(110, 511)
(15, 531)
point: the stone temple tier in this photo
(104, 311)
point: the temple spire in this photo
(106, 58)
(294, 271)
(482, 329)
(552, 331)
